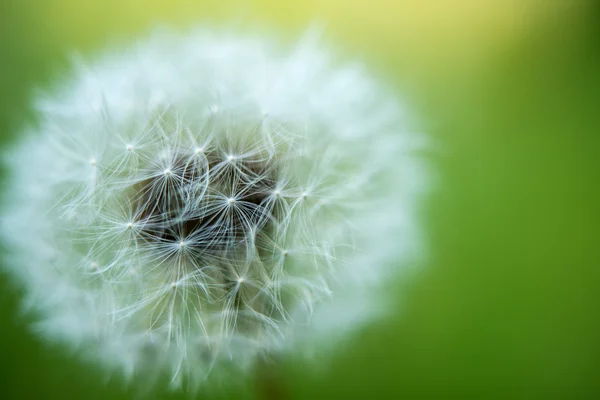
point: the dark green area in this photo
(508, 305)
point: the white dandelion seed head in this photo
(201, 200)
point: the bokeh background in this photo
(506, 304)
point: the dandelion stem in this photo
(269, 381)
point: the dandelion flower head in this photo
(204, 199)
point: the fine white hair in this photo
(201, 199)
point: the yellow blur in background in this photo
(429, 34)
(506, 304)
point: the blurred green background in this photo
(506, 304)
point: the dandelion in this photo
(201, 201)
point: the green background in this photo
(506, 303)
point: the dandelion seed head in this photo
(207, 232)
